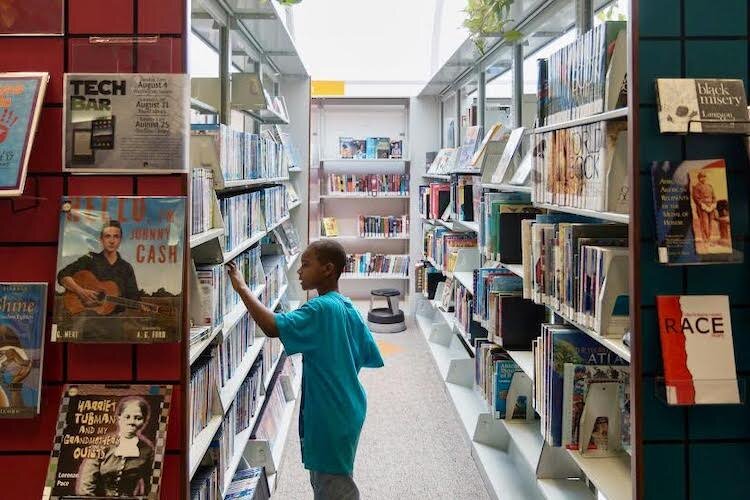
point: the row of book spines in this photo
(202, 180)
(244, 215)
(569, 273)
(382, 183)
(243, 155)
(494, 370)
(583, 167)
(377, 263)
(386, 226)
(573, 79)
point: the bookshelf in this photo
(263, 53)
(346, 188)
(513, 457)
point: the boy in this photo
(335, 343)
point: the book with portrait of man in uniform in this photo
(691, 205)
(120, 270)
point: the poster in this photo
(126, 123)
(120, 270)
(23, 311)
(21, 96)
(110, 442)
(31, 17)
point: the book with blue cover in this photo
(21, 96)
(504, 370)
(23, 310)
(569, 345)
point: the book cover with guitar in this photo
(120, 270)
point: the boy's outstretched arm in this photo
(263, 316)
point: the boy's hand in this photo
(238, 282)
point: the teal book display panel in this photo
(691, 452)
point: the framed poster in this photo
(21, 96)
(126, 123)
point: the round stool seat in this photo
(384, 316)
(385, 292)
(386, 319)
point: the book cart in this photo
(512, 455)
(676, 451)
(254, 83)
(335, 118)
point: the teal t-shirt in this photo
(335, 343)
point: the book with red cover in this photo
(697, 349)
(440, 197)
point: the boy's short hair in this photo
(110, 223)
(330, 252)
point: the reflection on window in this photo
(203, 61)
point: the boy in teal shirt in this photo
(335, 343)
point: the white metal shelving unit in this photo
(509, 455)
(360, 118)
(251, 38)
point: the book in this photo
(248, 484)
(330, 226)
(119, 270)
(697, 349)
(383, 148)
(397, 149)
(702, 106)
(493, 134)
(691, 206)
(125, 122)
(110, 442)
(577, 382)
(32, 17)
(23, 311)
(346, 147)
(359, 147)
(509, 153)
(371, 148)
(21, 97)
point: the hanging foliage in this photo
(489, 18)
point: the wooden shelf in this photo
(600, 117)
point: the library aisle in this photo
(411, 445)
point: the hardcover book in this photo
(697, 349)
(346, 147)
(578, 379)
(717, 106)
(110, 442)
(691, 205)
(23, 311)
(330, 226)
(126, 122)
(21, 96)
(119, 270)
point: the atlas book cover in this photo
(691, 206)
(23, 311)
(21, 98)
(110, 442)
(119, 270)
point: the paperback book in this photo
(697, 349)
(702, 106)
(691, 205)
(126, 122)
(110, 442)
(119, 270)
(23, 311)
(21, 97)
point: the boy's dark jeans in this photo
(333, 486)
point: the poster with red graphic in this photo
(21, 96)
(697, 349)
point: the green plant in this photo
(489, 18)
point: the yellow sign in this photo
(327, 87)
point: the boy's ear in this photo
(330, 268)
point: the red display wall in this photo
(29, 225)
